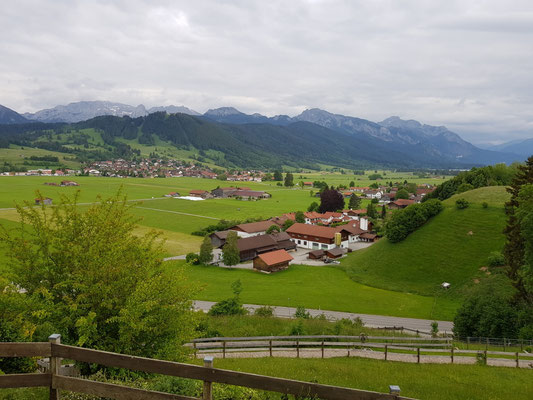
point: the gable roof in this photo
(275, 257)
(280, 236)
(253, 227)
(352, 229)
(256, 242)
(312, 230)
(403, 202)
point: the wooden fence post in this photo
(487, 344)
(224, 349)
(386, 349)
(322, 349)
(195, 350)
(418, 355)
(517, 361)
(207, 393)
(452, 354)
(504, 340)
(55, 365)
(270, 348)
(486, 361)
(297, 349)
(467, 342)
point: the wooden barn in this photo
(272, 261)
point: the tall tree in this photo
(355, 202)
(289, 180)
(206, 251)
(278, 176)
(514, 249)
(299, 217)
(313, 206)
(402, 194)
(371, 211)
(383, 211)
(230, 251)
(331, 200)
(90, 278)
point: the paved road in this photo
(372, 321)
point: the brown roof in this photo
(317, 253)
(253, 227)
(337, 251)
(256, 242)
(312, 230)
(403, 202)
(368, 235)
(353, 230)
(198, 191)
(220, 234)
(280, 236)
(275, 257)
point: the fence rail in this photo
(208, 374)
(415, 346)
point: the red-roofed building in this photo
(400, 203)
(272, 261)
(317, 237)
(204, 194)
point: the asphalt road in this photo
(372, 321)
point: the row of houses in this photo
(230, 192)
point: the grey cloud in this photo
(463, 64)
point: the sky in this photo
(464, 64)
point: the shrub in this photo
(301, 312)
(265, 311)
(230, 306)
(496, 259)
(461, 204)
(297, 329)
(403, 222)
(192, 258)
(485, 204)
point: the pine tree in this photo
(230, 251)
(299, 217)
(289, 180)
(371, 211)
(355, 202)
(278, 176)
(383, 212)
(206, 251)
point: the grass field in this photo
(327, 288)
(423, 381)
(452, 247)
(16, 155)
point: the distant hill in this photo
(84, 110)
(521, 147)
(451, 247)
(8, 116)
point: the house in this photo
(172, 194)
(373, 194)
(218, 239)
(272, 261)
(355, 214)
(359, 189)
(354, 230)
(46, 201)
(250, 194)
(223, 192)
(204, 194)
(368, 237)
(251, 247)
(252, 228)
(336, 252)
(308, 184)
(318, 237)
(316, 255)
(400, 203)
(283, 240)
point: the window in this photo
(324, 247)
(299, 242)
(315, 246)
(305, 242)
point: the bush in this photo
(265, 311)
(297, 329)
(461, 204)
(496, 259)
(192, 258)
(403, 222)
(301, 312)
(485, 204)
(230, 306)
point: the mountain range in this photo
(392, 142)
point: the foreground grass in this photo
(451, 247)
(327, 288)
(423, 381)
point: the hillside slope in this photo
(451, 247)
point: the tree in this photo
(230, 251)
(402, 194)
(331, 200)
(273, 228)
(313, 206)
(373, 177)
(464, 187)
(461, 204)
(88, 277)
(355, 202)
(299, 217)
(371, 211)
(383, 211)
(287, 224)
(289, 180)
(352, 183)
(206, 251)
(278, 176)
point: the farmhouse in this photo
(218, 239)
(251, 247)
(252, 228)
(223, 192)
(272, 261)
(284, 241)
(250, 194)
(368, 237)
(204, 194)
(318, 237)
(400, 203)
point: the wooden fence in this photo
(208, 374)
(415, 346)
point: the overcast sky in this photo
(464, 64)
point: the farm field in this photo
(16, 155)
(328, 288)
(451, 247)
(424, 381)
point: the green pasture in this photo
(421, 381)
(16, 155)
(328, 288)
(451, 247)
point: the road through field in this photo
(372, 321)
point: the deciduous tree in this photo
(331, 200)
(230, 251)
